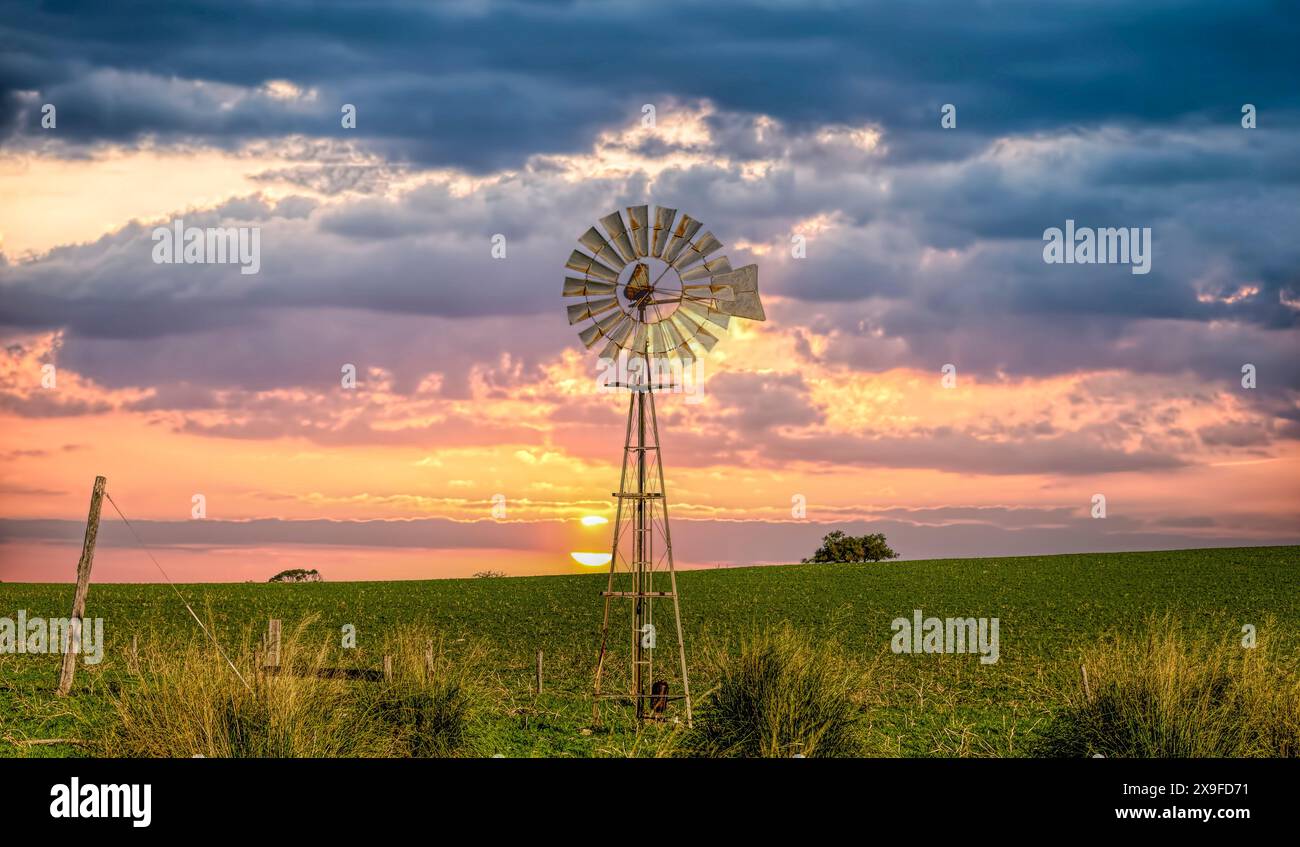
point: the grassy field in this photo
(1051, 609)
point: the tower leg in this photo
(613, 565)
(672, 570)
(638, 482)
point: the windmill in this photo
(655, 295)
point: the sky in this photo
(922, 372)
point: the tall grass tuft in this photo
(433, 703)
(781, 695)
(1168, 694)
(187, 701)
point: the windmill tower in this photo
(656, 303)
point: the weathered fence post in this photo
(428, 660)
(273, 643)
(1087, 690)
(539, 673)
(83, 587)
(135, 653)
(388, 668)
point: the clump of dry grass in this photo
(1170, 694)
(782, 694)
(186, 701)
(433, 702)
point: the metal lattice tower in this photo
(654, 303)
(642, 549)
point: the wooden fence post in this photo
(428, 660)
(388, 668)
(83, 588)
(539, 673)
(273, 643)
(135, 653)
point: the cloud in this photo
(484, 85)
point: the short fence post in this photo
(539, 673)
(273, 643)
(388, 668)
(135, 653)
(428, 660)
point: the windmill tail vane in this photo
(659, 290)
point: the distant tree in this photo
(489, 574)
(838, 547)
(297, 575)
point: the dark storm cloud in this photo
(482, 85)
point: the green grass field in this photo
(1050, 608)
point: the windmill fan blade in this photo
(638, 224)
(610, 351)
(637, 343)
(591, 308)
(663, 228)
(661, 342)
(586, 287)
(613, 224)
(589, 335)
(698, 251)
(607, 327)
(686, 327)
(705, 339)
(673, 335)
(601, 249)
(685, 321)
(695, 309)
(708, 269)
(621, 329)
(745, 283)
(701, 313)
(686, 229)
(590, 267)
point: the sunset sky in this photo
(924, 247)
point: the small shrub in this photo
(781, 695)
(1167, 695)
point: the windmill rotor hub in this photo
(650, 286)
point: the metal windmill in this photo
(653, 297)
